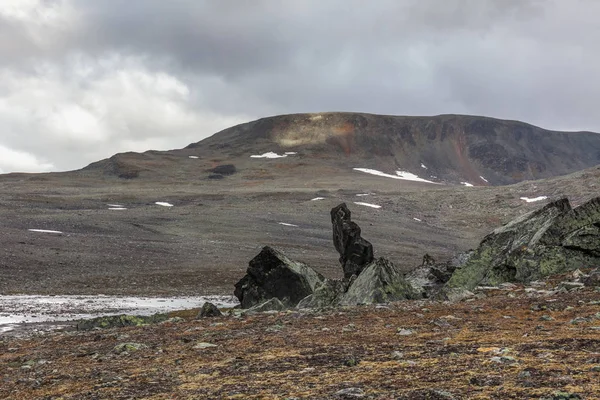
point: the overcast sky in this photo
(81, 80)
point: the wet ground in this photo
(23, 314)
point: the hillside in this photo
(445, 148)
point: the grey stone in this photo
(129, 347)
(380, 282)
(593, 279)
(350, 393)
(329, 294)
(204, 345)
(209, 310)
(273, 304)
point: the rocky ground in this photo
(202, 245)
(507, 342)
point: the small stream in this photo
(32, 313)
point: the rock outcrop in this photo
(271, 274)
(430, 277)
(554, 239)
(380, 282)
(551, 240)
(355, 252)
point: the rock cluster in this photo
(551, 240)
(272, 275)
(554, 239)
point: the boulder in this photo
(209, 310)
(271, 274)
(593, 278)
(329, 294)
(430, 277)
(553, 239)
(380, 282)
(355, 252)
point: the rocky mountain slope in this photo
(445, 148)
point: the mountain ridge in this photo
(447, 148)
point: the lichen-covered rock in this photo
(118, 321)
(209, 310)
(380, 282)
(429, 278)
(129, 347)
(271, 274)
(355, 252)
(329, 294)
(551, 240)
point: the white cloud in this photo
(87, 109)
(19, 161)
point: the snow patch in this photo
(485, 180)
(286, 224)
(44, 231)
(163, 203)
(417, 219)
(290, 153)
(467, 184)
(194, 157)
(531, 200)
(117, 208)
(270, 154)
(403, 175)
(423, 166)
(317, 198)
(367, 204)
(363, 194)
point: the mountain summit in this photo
(443, 149)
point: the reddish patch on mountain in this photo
(343, 137)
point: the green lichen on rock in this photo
(329, 294)
(118, 321)
(380, 282)
(551, 240)
(129, 347)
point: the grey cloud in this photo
(533, 60)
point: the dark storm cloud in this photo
(151, 73)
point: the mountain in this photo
(444, 149)
(188, 221)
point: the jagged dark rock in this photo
(209, 310)
(551, 240)
(355, 252)
(271, 274)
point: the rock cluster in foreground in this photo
(554, 239)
